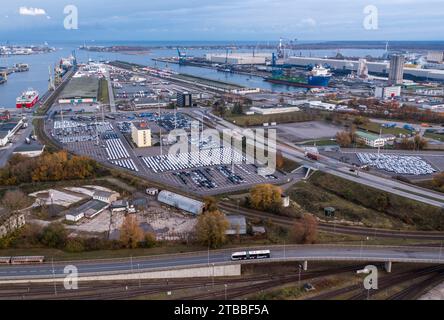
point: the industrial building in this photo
(89, 210)
(387, 92)
(265, 110)
(396, 73)
(238, 58)
(141, 134)
(180, 202)
(30, 150)
(80, 90)
(322, 105)
(435, 56)
(373, 140)
(376, 68)
(184, 100)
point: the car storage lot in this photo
(105, 143)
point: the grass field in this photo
(103, 91)
(435, 136)
(376, 127)
(258, 120)
(358, 203)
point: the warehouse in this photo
(80, 90)
(265, 110)
(180, 202)
(30, 150)
(89, 210)
(238, 58)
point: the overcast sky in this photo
(221, 20)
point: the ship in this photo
(21, 67)
(318, 77)
(28, 99)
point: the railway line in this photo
(387, 282)
(340, 229)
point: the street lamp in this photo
(225, 291)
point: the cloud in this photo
(309, 22)
(25, 11)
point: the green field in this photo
(103, 91)
(376, 127)
(435, 136)
(259, 120)
(361, 204)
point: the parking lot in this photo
(399, 164)
(212, 170)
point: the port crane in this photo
(182, 57)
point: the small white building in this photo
(105, 196)
(152, 191)
(74, 216)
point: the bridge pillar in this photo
(388, 266)
(305, 265)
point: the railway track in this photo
(288, 222)
(414, 291)
(237, 292)
(383, 284)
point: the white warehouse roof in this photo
(180, 202)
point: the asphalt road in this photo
(278, 253)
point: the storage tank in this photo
(180, 202)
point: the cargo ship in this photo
(28, 99)
(318, 77)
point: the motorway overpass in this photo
(297, 253)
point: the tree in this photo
(280, 160)
(438, 180)
(210, 204)
(149, 240)
(343, 138)
(54, 235)
(266, 197)
(306, 229)
(130, 232)
(15, 200)
(210, 229)
(237, 109)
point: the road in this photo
(337, 168)
(278, 253)
(112, 102)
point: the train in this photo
(251, 255)
(22, 260)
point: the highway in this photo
(337, 168)
(203, 258)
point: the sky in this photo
(236, 20)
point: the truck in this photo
(313, 156)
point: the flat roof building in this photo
(80, 90)
(141, 134)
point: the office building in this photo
(141, 134)
(396, 73)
